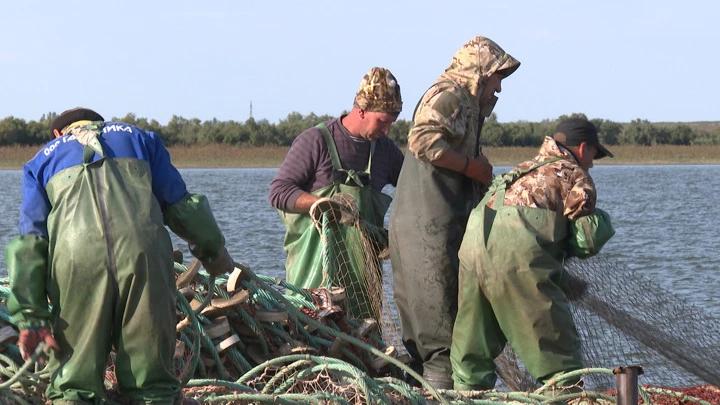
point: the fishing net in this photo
(353, 252)
(626, 318)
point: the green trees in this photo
(680, 134)
(608, 131)
(639, 132)
(252, 132)
(12, 131)
(399, 131)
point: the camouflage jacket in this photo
(448, 114)
(561, 186)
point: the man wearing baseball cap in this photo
(513, 287)
(575, 131)
(348, 155)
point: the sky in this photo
(654, 60)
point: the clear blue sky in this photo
(618, 60)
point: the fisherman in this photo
(348, 155)
(513, 287)
(441, 181)
(95, 202)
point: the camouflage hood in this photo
(551, 149)
(562, 186)
(475, 62)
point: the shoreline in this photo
(505, 164)
(237, 157)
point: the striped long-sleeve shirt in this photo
(307, 166)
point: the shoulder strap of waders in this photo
(501, 183)
(90, 149)
(353, 175)
(90, 141)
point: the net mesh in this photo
(353, 253)
(626, 318)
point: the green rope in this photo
(287, 370)
(200, 330)
(39, 351)
(306, 300)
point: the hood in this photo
(550, 149)
(475, 62)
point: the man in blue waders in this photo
(513, 287)
(350, 155)
(95, 202)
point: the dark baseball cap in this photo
(574, 131)
(74, 115)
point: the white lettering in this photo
(117, 128)
(51, 148)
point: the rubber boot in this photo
(417, 367)
(487, 383)
(439, 381)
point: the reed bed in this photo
(226, 156)
(13, 157)
(664, 154)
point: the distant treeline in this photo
(183, 131)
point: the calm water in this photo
(665, 218)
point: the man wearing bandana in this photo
(442, 179)
(345, 156)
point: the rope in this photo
(277, 380)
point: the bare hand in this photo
(30, 339)
(480, 169)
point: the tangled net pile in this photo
(293, 349)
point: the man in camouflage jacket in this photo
(512, 282)
(441, 181)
